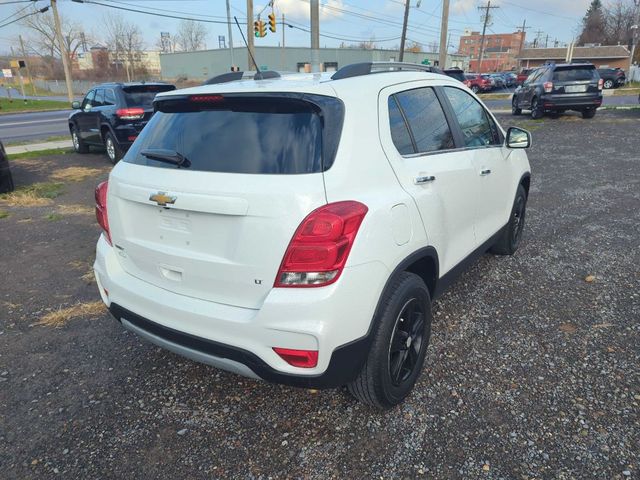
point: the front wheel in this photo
(511, 234)
(113, 149)
(401, 334)
(589, 113)
(78, 145)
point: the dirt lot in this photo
(533, 371)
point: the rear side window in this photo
(399, 130)
(243, 134)
(109, 97)
(427, 125)
(574, 74)
(478, 128)
(143, 95)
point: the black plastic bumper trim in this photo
(344, 366)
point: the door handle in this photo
(426, 179)
(484, 173)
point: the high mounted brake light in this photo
(320, 246)
(206, 98)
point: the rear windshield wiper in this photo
(168, 156)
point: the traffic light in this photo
(272, 22)
(259, 29)
(256, 28)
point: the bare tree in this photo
(41, 39)
(124, 39)
(619, 18)
(191, 35)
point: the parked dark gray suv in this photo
(555, 88)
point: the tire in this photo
(475, 89)
(608, 84)
(536, 111)
(114, 152)
(515, 110)
(554, 114)
(78, 145)
(511, 234)
(400, 341)
(589, 113)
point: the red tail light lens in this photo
(600, 84)
(101, 209)
(130, 113)
(319, 249)
(548, 87)
(298, 358)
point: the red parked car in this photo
(522, 76)
(478, 83)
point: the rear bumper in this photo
(334, 320)
(570, 101)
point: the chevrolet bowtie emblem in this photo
(162, 199)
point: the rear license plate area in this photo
(575, 88)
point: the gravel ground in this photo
(533, 370)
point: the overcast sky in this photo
(350, 21)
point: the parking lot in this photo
(532, 371)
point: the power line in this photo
(42, 10)
(18, 12)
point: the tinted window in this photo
(143, 95)
(240, 135)
(109, 97)
(427, 123)
(88, 99)
(399, 130)
(99, 100)
(457, 74)
(574, 74)
(478, 129)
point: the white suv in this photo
(296, 229)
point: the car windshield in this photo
(143, 95)
(574, 74)
(241, 134)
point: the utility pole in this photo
(26, 64)
(250, 34)
(63, 50)
(546, 41)
(404, 29)
(229, 30)
(282, 51)
(315, 35)
(444, 45)
(536, 41)
(524, 30)
(487, 8)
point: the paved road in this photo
(33, 126)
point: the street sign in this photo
(6, 73)
(14, 63)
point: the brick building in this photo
(500, 50)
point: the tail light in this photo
(467, 83)
(130, 113)
(600, 84)
(319, 249)
(101, 209)
(298, 358)
(548, 87)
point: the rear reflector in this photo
(298, 358)
(320, 246)
(130, 113)
(132, 138)
(101, 209)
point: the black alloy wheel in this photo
(406, 341)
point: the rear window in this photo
(457, 74)
(143, 95)
(574, 74)
(244, 134)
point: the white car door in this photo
(420, 146)
(490, 159)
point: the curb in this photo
(36, 147)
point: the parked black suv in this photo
(112, 115)
(456, 73)
(612, 77)
(556, 88)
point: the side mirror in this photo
(518, 138)
(75, 105)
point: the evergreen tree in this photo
(593, 25)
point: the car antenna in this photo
(258, 75)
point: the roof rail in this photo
(366, 68)
(234, 76)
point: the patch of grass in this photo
(53, 217)
(626, 91)
(4, 214)
(40, 153)
(495, 96)
(75, 174)
(35, 195)
(75, 210)
(54, 138)
(19, 105)
(60, 317)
